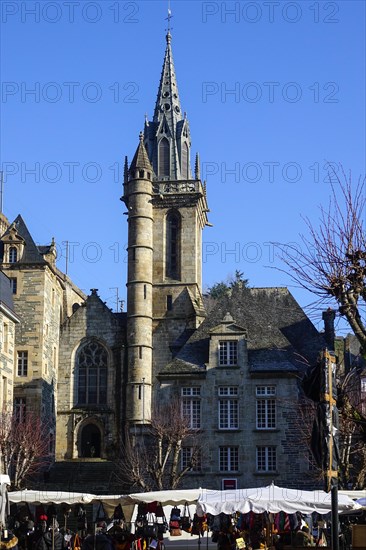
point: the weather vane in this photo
(169, 17)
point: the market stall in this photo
(269, 499)
(156, 516)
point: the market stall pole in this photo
(331, 430)
(4, 501)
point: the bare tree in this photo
(332, 264)
(151, 460)
(352, 431)
(24, 443)
(352, 435)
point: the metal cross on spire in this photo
(169, 17)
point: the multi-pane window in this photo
(13, 285)
(266, 459)
(228, 408)
(20, 408)
(13, 255)
(22, 361)
(228, 353)
(92, 362)
(191, 406)
(229, 459)
(191, 458)
(266, 407)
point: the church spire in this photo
(167, 137)
(167, 102)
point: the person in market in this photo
(100, 541)
(50, 538)
(8, 541)
(303, 537)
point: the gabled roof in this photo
(227, 326)
(280, 335)
(32, 253)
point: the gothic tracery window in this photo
(185, 156)
(92, 366)
(173, 245)
(164, 157)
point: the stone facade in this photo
(40, 301)
(8, 321)
(233, 363)
(92, 323)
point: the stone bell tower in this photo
(167, 210)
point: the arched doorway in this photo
(90, 441)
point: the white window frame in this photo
(266, 458)
(191, 406)
(13, 254)
(186, 456)
(228, 353)
(20, 408)
(228, 408)
(266, 413)
(229, 459)
(22, 363)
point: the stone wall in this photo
(93, 321)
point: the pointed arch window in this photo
(92, 368)
(13, 255)
(164, 157)
(185, 156)
(173, 245)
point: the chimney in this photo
(329, 332)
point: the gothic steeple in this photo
(167, 136)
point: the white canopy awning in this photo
(269, 499)
(57, 497)
(49, 497)
(262, 499)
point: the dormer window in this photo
(13, 255)
(228, 353)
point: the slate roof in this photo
(141, 158)
(6, 297)
(32, 253)
(5, 291)
(281, 338)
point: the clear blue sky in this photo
(272, 90)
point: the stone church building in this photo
(234, 362)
